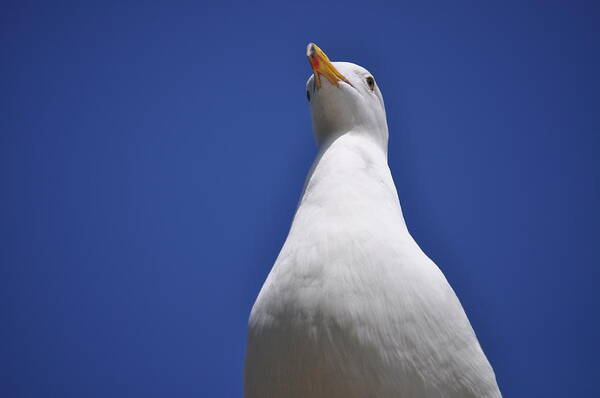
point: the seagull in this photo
(352, 307)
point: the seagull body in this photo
(352, 306)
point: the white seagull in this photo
(353, 308)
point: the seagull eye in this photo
(371, 82)
(308, 95)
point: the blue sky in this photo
(151, 157)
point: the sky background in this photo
(151, 158)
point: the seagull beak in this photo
(321, 65)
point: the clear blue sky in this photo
(151, 157)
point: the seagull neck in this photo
(351, 161)
(349, 177)
(360, 136)
(344, 145)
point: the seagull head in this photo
(343, 98)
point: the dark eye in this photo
(371, 82)
(308, 95)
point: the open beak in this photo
(321, 65)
